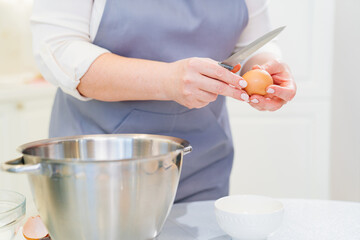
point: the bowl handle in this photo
(18, 166)
(187, 149)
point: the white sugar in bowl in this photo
(249, 217)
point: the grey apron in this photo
(165, 30)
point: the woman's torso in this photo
(165, 30)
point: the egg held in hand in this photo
(257, 81)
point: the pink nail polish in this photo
(255, 101)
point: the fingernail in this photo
(255, 101)
(268, 99)
(270, 90)
(243, 83)
(245, 97)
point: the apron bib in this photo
(165, 30)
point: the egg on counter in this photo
(258, 80)
(34, 229)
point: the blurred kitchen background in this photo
(309, 149)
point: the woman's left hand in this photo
(283, 90)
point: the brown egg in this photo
(257, 80)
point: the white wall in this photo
(345, 144)
(15, 38)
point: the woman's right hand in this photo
(198, 81)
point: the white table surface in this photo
(303, 220)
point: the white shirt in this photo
(63, 32)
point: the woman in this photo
(151, 67)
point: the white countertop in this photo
(303, 220)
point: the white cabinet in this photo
(281, 154)
(286, 153)
(24, 117)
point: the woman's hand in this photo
(198, 81)
(283, 90)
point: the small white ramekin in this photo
(249, 217)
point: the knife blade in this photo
(232, 63)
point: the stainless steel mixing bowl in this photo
(103, 187)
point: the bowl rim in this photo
(183, 146)
(248, 214)
(19, 205)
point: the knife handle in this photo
(232, 69)
(236, 68)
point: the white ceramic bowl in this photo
(249, 217)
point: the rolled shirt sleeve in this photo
(63, 31)
(62, 43)
(259, 24)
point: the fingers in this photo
(257, 67)
(280, 73)
(285, 93)
(220, 88)
(284, 85)
(236, 93)
(201, 80)
(199, 104)
(266, 104)
(275, 67)
(213, 70)
(204, 96)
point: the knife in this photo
(232, 63)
